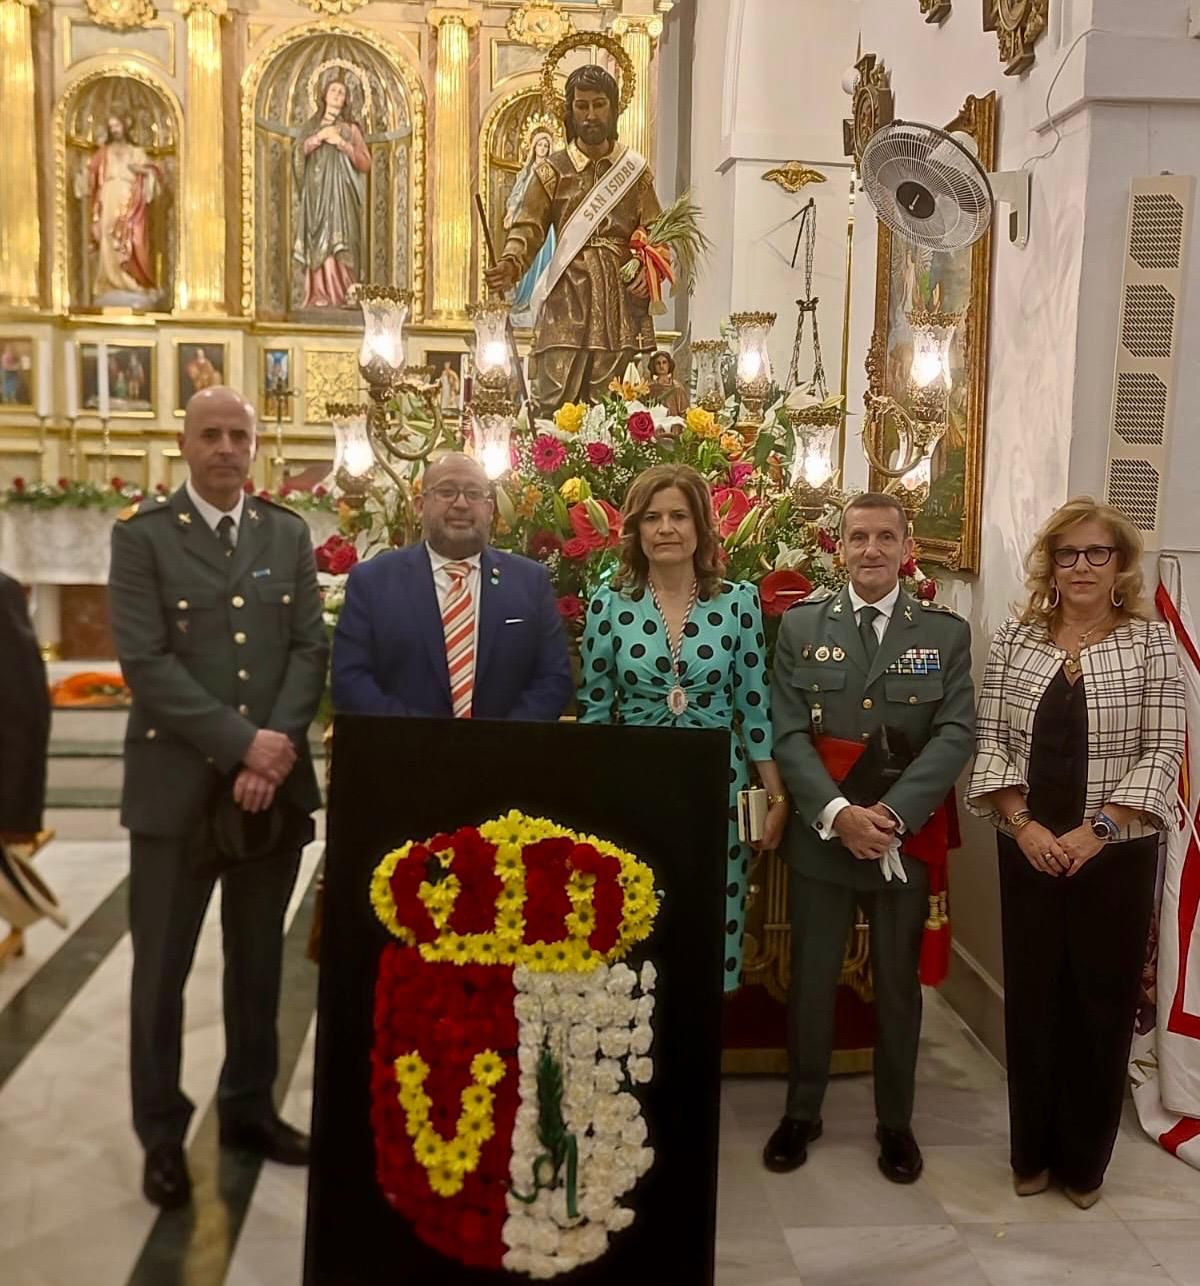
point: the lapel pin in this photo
(908, 614)
(806, 653)
(253, 513)
(822, 653)
(837, 607)
(839, 654)
(185, 519)
(495, 575)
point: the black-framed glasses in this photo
(1097, 555)
(448, 492)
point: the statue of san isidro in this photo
(588, 325)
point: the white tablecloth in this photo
(67, 546)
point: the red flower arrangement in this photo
(908, 568)
(599, 454)
(542, 544)
(731, 505)
(336, 556)
(927, 590)
(641, 426)
(779, 590)
(571, 608)
(740, 472)
(586, 528)
(575, 548)
(826, 542)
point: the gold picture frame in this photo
(18, 373)
(137, 360)
(276, 363)
(948, 529)
(199, 364)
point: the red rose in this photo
(137, 497)
(548, 453)
(117, 484)
(570, 607)
(542, 544)
(730, 505)
(581, 521)
(599, 454)
(826, 542)
(161, 488)
(341, 560)
(18, 484)
(641, 426)
(319, 492)
(248, 487)
(576, 547)
(927, 590)
(779, 590)
(64, 483)
(264, 494)
(740, 471)
(287, 489)
(908, 567)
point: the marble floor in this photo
(71, 1213)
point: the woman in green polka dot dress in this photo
(671, 644)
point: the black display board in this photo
(660, 793)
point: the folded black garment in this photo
(229, 836)
(888, 753)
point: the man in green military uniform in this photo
(217, 618)
(870, 656)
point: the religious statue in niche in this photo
(331, 166)
(122, 183)
(589, 320)
(120, 230)
(329, 140)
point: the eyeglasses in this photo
(1097, 555)
(449, 492)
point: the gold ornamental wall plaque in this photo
(540, 23)
(793, 176)
(121, 15)
(1019, 25)
(936, 10)
(873, 106)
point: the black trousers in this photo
(821, 916)
(1073, 954)
(167, 902)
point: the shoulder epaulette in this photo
(277, 505)
(151, 505)
(822, 594)
(941, 607)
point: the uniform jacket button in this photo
(238, 601)
(287, 598)
(151, 733)
(912, 701)
(239, 637)
(182, 604)
(867, 703)
(243, 675)
(243, 709)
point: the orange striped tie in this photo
(458, 622)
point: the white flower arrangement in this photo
(598, 1027)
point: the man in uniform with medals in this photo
(596, 193)
(874, 718)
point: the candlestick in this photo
(43, 379)
(71, 379)
(102, 380)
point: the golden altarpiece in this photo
(190, 188)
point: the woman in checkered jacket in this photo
(1080, 742)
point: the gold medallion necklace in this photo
(1074, 664)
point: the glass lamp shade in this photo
(753, 359)
(710, 387)
(493, 364)
(491, 437)
(813, 463)
(353, 454)
(381, 354)
(917, 477)
(929, 376)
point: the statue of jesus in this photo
(121, 184)
(595, 193)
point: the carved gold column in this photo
(452, 162)
(202, 245)
(638, 37)
(20, 233)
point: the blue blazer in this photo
(389, 651)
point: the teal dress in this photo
(627, 675)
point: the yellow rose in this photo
(732, 444)
(569, 417)
(701, 422)
(574, 489)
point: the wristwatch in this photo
(772, 800)
(1104, 828)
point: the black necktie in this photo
(866, 631)
(225, 534)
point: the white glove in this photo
(890, 864)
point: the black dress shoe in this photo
(899, 1157)
(787, 1148)
(165, 1179)
(273, 1139)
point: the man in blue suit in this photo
(451, 627)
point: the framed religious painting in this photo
(17, 375)
(131, 389)
(276, 383)
(197, 366)
(447, 368)
(911, 283)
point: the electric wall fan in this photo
(931, 190)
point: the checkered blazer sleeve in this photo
(1150, 785)
(995, 767)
